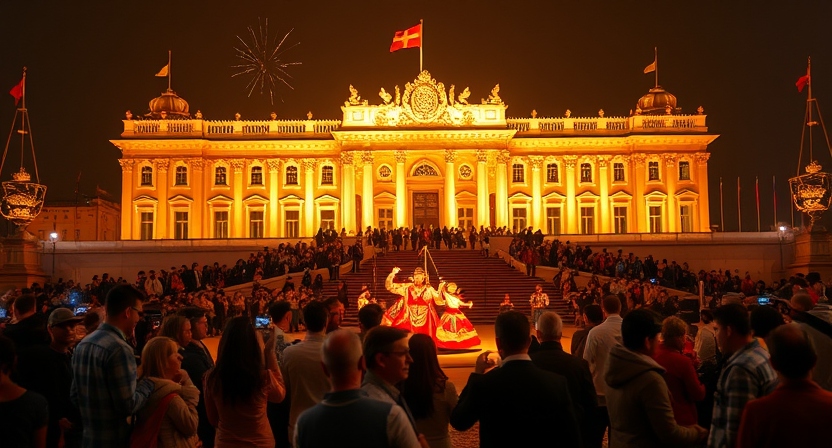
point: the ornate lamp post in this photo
(812, 191)
(22, 199)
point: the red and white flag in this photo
(409, 38)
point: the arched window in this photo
(518, 173)
(327, 175)
(552, 172)
(257, 175)
(684, 170)
(147, 175)
(291, 175)
(220, 176)
(181, 175)
(586, 172)
(425, 170)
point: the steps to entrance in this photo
(483, 281)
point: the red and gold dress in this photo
(455, 331)
(414, 311)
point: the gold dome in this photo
(171, 104)
(657, 101)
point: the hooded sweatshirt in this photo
(639, 403)
(178, 429)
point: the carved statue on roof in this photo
(386, 97)
(463, 97)
(494, 97)
(355, 98)
(451, 95)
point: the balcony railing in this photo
(227, 129)
(632, 124)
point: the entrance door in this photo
(425, 209)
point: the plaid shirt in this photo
(104, 387)
(747, 375)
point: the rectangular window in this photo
(327, 175)
(292, 219)
(257, 175)
(653, 171)
(518, 219)
(327, 219)
(517, 173)
(552, 173)
(147, 176)
(255, 224)
(180, 225)
(220, 176)
(146, 226)
(221, 224)
(684, 170)
(181, 175)
(291, 175)
(588, 220)
(465, 217)
(385, 218)
(686, 218)
(586, 172)
(619, 216)
(553, 220)
(655, 212)
(618, 172)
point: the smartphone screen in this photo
(262, 321)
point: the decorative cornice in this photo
(207, 146)
(309, 165)
(570, 161)
(400, 155)
(638, 159)
(273, 164)
(162, 165)
(196, 163)
(425, 139)
(367, 158)
(536, 162)
(603, 160)
(612, 142)
(702, 157)
(237, 165)
(346, 158)
(669, 159)
(450, 156)
(503, 157)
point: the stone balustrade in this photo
(226, 129)
(632, 124)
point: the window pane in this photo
(180, 225)
(655, 212)
(684, 170)
(219, 176)
(553, 220)
(653, 170)
(686, 215)
(181, 175)
(291, 175)
(517, 174)
(257, 175)
(588, 220)
(618, 172)
(327, 219)
(255, 224)
(326, 175)
(146, 226)
(518, 219)
(292, 217)
(620, 219)
(147, 175)
(586, 172)
(552, 172)
(221, 224)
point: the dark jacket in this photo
(197, 362)
(518, 404)
(550, 356)
(28, 332)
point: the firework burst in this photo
(262, 60)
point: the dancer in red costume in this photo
(415, 310)
(455, 331)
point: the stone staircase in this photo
(484, 281)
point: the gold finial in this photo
(386, 97)
(198, 115)
(534, 113)
(668, 110)
(811, 168)
(700, 110)
(309, 115)
(568, 113)
(128, 115)
(273, 116)
(21, 176)
(494, 97)
(601, 113)
(237, 116)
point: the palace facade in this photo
(423, 156)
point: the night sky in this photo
(739, 60)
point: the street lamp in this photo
(53, 237)
(782, 234)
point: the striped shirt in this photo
(747, 375)
(104, 387)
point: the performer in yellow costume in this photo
(455, 331)
(415, 310)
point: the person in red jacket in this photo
(680, 376)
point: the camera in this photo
(81, 310)
(654, 281)
(3, 315)
(262, 322)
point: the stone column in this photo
(702, 183)
(237, 209)
(572, 216)
(162, 229)
(401, 189)
(367, 190)
(347, 191)
(199, 223)
(128, 215)
(274, 182)
(604, 183)
(537, 200)
(637, 176)
(501, 193)
(309, 217)
(450, 187)
(672, 176)
(482, 188)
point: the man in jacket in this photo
(637, 397)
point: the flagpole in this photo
(721, 208)
(168, 69)
(757, 193)
(739, 206)
(774, 197)
(656, 60)
(421, 42)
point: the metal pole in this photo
(53, 260)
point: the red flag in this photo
(17, 91)
(801, 82)
(409, 38)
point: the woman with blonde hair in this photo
(169, 418)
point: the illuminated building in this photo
(423, 156)
(98, 219)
